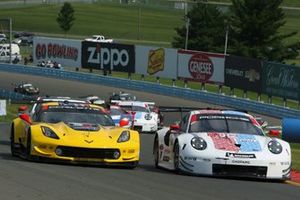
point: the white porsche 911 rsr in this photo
(221, 143)
(144, 119)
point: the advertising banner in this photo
(281, 80)
(243, 73)
(113, 56)
(2, 107)
(201, 66)
(64, 51)
(156, 61)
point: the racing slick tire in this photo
(176, 157)
(156, 152)
(12, 141)
(28, 155)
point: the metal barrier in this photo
(190, 94)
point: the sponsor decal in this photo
(241, 161)
(285, 78)
(235, 142)
(201, 67)
(252, 75)
(109, 56)
(197, 158)
(105, 56)
(54, 50)
(166, 158)
(285, 163)
(238, 155)
(156, 60)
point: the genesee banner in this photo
(243, 73)
(64, 51)
(117, 57)
(281, 80)
(201, 66)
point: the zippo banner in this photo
(156, 61)
(64, 51)
(117, 57)
(201, 66)
(281, 80)
(243, 73)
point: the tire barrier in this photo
(291, 130)
(190, 94)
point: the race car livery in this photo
(144, 119)
(221, 143)
(76, 133)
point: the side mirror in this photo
(22, 108)
(174, 127)
(26, 118)
(274, 133)
(124, 122)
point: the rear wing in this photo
(188, 109)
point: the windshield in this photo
(115, 111)
(75, 116)
(135, 108)
(223, 124)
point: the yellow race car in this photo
(78, 133)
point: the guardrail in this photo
(191, 94)
(13, 96)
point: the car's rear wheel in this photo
(156, 152)
(28, 147)
(176, 157)
(12, 141)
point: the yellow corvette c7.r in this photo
(78, 133)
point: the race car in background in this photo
(221, 143)
(118, 114)
(27, 89)
(76, 133)
(44, 99)
(144, 119)
(121, 96)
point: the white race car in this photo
(221, 143)
(144, 119)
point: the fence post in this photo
(185, 83)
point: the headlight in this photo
(125, 136)
(275, 147)
(198, 143)
(148, 117)
(49, 133)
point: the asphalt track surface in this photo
(20, 179)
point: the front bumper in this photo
(145, 127)
(104, 156)
(235, 167)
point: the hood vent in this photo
(83, 126)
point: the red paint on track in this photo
(295, 176)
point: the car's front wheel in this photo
(156, 152)
(176, 157)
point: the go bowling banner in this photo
(201, 66)
(67, 52)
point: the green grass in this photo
(116, 21)
(11, 111)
